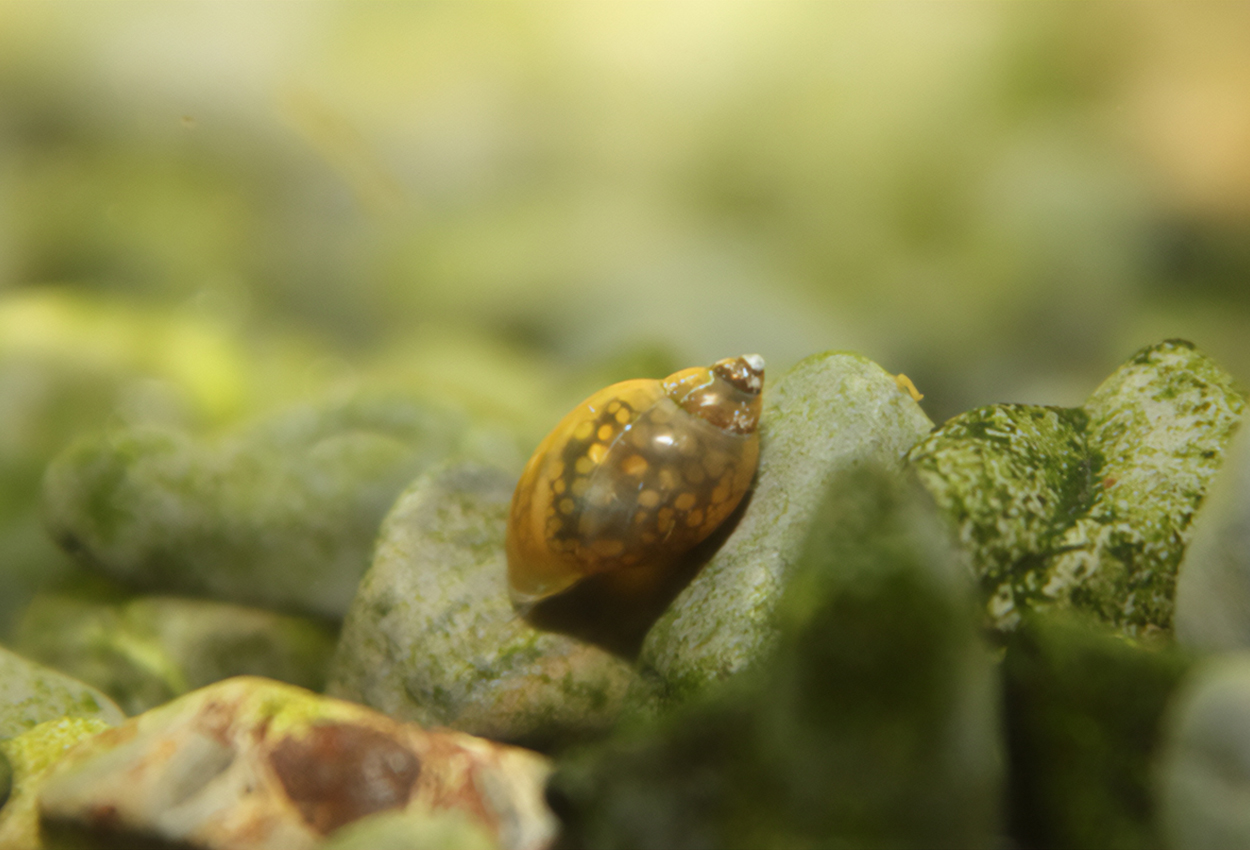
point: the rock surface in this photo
(1213, 588)
(1204, 773)
(824, 419)
(872, 722)
(31, 693)
(146, 651)
(432, 635)
(250, 763)
(283, 516)
(32, 756)
(1087, 508)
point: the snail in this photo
(634, 477)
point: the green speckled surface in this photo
(432, 635)
(1088, 507)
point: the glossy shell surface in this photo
(635, 476)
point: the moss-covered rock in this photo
(872, 721)
(33, 755)
(31, 694)
(1203, 775)
(249, 763)
(1088, 507)
(824, 419)
(282, 516)
(1084, 715)
(432, 635)
(146, 651)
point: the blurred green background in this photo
(210, 210)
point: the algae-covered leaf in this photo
(1087, 507)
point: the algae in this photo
(1089, 507)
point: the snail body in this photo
(634, 477)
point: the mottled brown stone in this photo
(340, 772)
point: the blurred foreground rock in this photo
(823, 420)
(1090, 507)
(283, 516)
(872, 721)
(432, 635)
(31, 693)
(146, 651)
(32, 757)
(250, 763)
(1084, 715)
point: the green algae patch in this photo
(432, 635)
(1084, 709)
(872, 722)
(1088, 508)
(32, 756)
(283, 515)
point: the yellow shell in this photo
(634, 477)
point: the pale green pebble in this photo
(32, 756)
(442, 830)
(31, 693)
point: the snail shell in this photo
(634, 477)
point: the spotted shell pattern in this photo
(635, 476)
